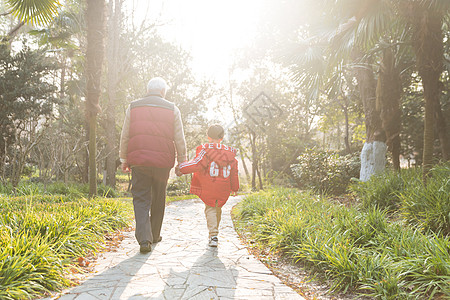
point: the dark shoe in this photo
(157, 240)
(145, 247)
(214, 241)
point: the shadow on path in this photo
(110, 283)
(208, 278)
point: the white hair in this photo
(157, 85)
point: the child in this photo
(215, 171)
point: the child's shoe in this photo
(213, 241)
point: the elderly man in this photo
(151, 134)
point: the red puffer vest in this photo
(215, 171)
(151, 142)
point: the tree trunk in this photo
(388, 103)
(85, 171)
(254, 159)
(441, 128)
(428, 47)
(94, 60)
(110, 128)
(261, 187)
(92, 152)
(348, 149)
(244, 165)
(373, 159)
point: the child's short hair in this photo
(216, 132)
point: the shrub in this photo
(382, 190)
(356, 249)
(106, 191)
(41, 235)
(178, 186)
(59, 188)
(325, 171)
(77, 190)
(428, 205)
(6, 189)
(26, 188)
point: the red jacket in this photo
(215, 171)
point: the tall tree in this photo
(114, 28)
(95, 17)
(26, 106)
(388, 102)
(426, 18)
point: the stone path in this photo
(182, 266)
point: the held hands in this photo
(177, 171)
(126, 168)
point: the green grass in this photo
(71, 190)
(41, 236)
(180, 197)
(426, 206)
(361, 250)
(383, 190)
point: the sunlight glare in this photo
(210, 30)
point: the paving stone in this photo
(86, 296)
(104, 293)
(182, 266)
(173, 293)
(68, 297)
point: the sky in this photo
(211, 30)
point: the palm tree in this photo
(370, 20)
(94, 60)
(426, 18)
(322, 65)
(31, 11)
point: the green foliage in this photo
(6, 189)
(41, 236)
(180, 197)
(70, 190)
(428, 204)
(27, 99)
(178, 186)
(24, 92)
(106, 191)
(325, 171)
(382, 190)
(412, 123)
(40, 12)
(356, 249)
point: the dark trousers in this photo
(149, 200)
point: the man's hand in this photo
(177, 171)
(126, 168)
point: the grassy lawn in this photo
(360, 249)
(42, 236)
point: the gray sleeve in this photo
(124, 137)
(180, 142)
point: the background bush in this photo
(383, 190)
(72, 190)
(325, 171)
(426, 205)
(178, 186)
